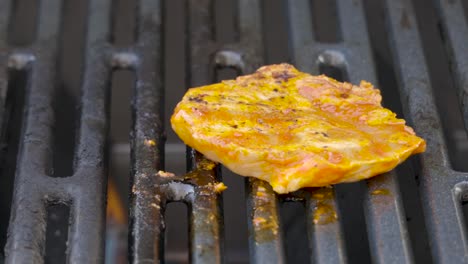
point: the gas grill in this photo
(63, 131)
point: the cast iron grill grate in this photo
(79, 198)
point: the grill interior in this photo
(86, 87)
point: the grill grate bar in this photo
(385, 218)
(441, 200)
(148, 198)
(265, 241)
(27, 220)
(245, 56)
(205, 218)
(251, 45)
(88, 185)
(357, 58)
(415, 86)
(38, 125)
(353, 52)
(455, 28)
(325, 234)
(94, 102)
(330, 233)
(356, 46)
(205, 228)
(265, 238)
(84, 191)
(384, 214)
(201, 67)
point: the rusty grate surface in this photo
(353, 54)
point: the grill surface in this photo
(36, 187)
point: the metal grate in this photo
(80, 197)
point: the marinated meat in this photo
(293, 129)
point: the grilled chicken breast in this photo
(294, 130)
